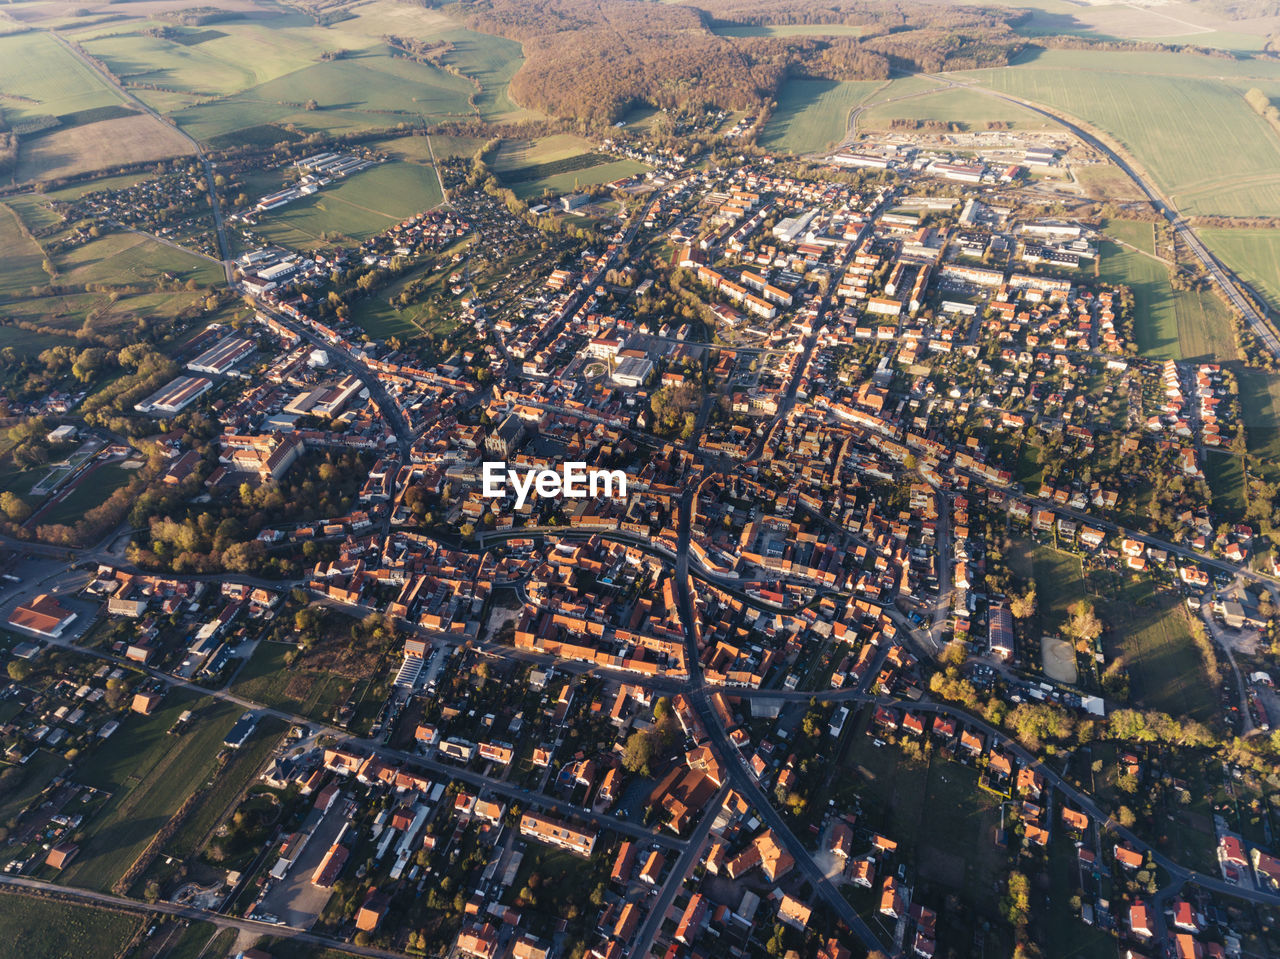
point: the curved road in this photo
(1224, 277)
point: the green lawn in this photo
(359, 207)
(1058, 577)
(238, 773)
(266, 679)
(1260, 409)
(813, 115)
(36, 928)
(120, 259)
(149, 774)
(1225, 474)
(376, 315)
(1165, 668)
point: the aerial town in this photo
(748, 555)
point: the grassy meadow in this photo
(1169, 324)
(813, 115)
(360, 206)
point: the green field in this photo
(371, 91)
(1058, 577)
(1183, 117)
(1168, 324)
(974, 110)
(1165, 667)
(1260, 410)
(266, 679)
(92, 492)
(381, 320)
(1254, 255)
(232, 779)
(1225, 475)
(20, 255)
(43, 78)
(492, 61)
(787, 29)
(38, 928)
(517, 154)
(813, 115)
(568, 182)
(357, 208)
(149, 774)
(125, 259)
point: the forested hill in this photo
(595, 59)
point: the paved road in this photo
(191, 912)
(344, 359)
(223, 246)
(679, 873)
(731, 758)
(1221, 275)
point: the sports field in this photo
(813, 115)
(357, 208)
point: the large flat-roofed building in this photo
(43, 615)
(557, 833)
(175, 396)
(222, 356)
(632, 371)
